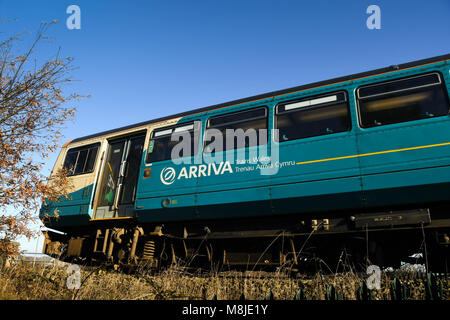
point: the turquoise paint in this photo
(330, 185)
(421, 175)
(73, 211)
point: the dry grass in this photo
(49, 283)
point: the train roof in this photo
(273, 93)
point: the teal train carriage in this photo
(356, 166)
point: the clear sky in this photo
(141, 60)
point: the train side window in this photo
(313, 116)
(81, 160)
(161, 144)
(255, 119)
(413, 98)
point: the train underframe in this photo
(326, 242)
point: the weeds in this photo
(25, 282)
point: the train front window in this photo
(414, 98)
(81, 160)
(164, 140)
(248, 122)
(313, 116)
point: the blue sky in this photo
(141, 60)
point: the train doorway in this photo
(120, 174)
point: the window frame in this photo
(266, 116)
(357, 96)
(312, 97)
(171, 127)
(78, 150)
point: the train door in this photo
(120, 174)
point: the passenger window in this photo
(161, 144)
(255, 119)
(414, 98)
(81, 160)
(311, 117)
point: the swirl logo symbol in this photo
(168, 175)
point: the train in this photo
(352, 167)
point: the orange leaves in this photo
(32, 113)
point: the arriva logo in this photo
(168, 174)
